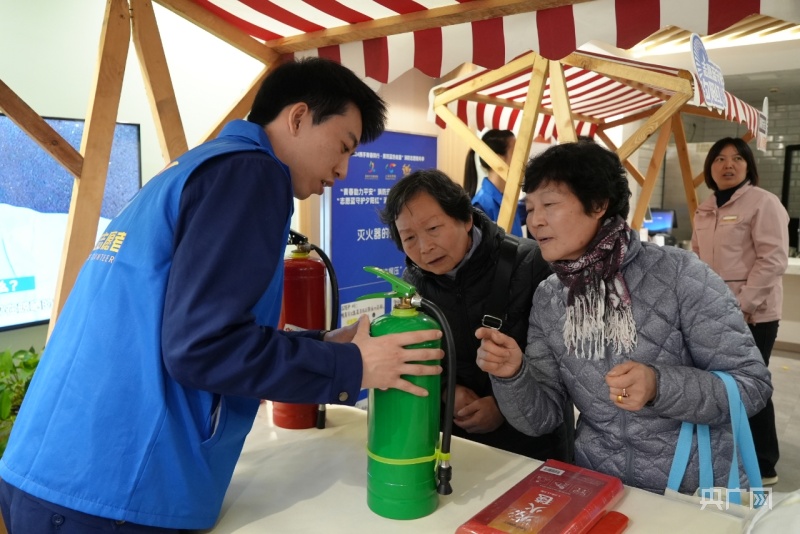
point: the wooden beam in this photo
(420, 20)
(630, 118)
(530, 114)
(682, 83)
(465, 133)
(308, 220)
(494, 101)
(652, 175)
(702, 111)
(638, 176)
(157, 80)
(221, 29)
(241, 108)
(685, 164)
(655, 92)
(562, 112)
(699, 179)
(444, 95)
(98, 134)
(520, 104)
(37, 129)
(662, 115)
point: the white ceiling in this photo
(781, 86)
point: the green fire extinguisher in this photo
(407, 464)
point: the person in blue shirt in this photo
(490, 195)
(152, 377)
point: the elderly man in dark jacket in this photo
(453, 252)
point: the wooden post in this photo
(157, 81)
(37, 129)
(651, 177)
(562, 111)
(530, 114)
(685, 164)
(98, 134)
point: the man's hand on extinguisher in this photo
(342, 335)
(385, 359)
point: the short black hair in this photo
(451, 197)
(594, 174)
(742, 148)
(326, 86)
(498, 141)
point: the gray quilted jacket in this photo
(688, 323)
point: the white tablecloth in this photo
(314, 480)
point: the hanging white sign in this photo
(709, 75)
(763, 120)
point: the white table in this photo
(314, 480)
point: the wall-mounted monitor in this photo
(35, 193)
(661, 222)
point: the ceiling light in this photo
(753, 30)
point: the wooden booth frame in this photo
(673, 89)
(555, 28)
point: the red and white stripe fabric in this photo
(739, 111)
(591, 94)
(553, 33)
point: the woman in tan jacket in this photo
(742, 232)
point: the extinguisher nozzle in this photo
(443, 475)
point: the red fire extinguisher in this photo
(303, 308)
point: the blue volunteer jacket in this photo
(105, 429)
(488, 199)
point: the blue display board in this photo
(357, 236)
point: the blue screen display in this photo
(663, 221)
(35, 194)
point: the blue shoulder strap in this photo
(742, 439)
(681, 459)
(742, 444)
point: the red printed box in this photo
(556, 498)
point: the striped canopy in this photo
(594, 96)
(429, 35)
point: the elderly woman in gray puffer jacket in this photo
(629, 330)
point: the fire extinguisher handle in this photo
(400, 288)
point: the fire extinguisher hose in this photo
(321, 411)
(444, 471)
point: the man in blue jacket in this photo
(152, 377)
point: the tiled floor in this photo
(785, 368)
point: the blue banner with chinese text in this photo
(358, 238)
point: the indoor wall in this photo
(48, 53)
